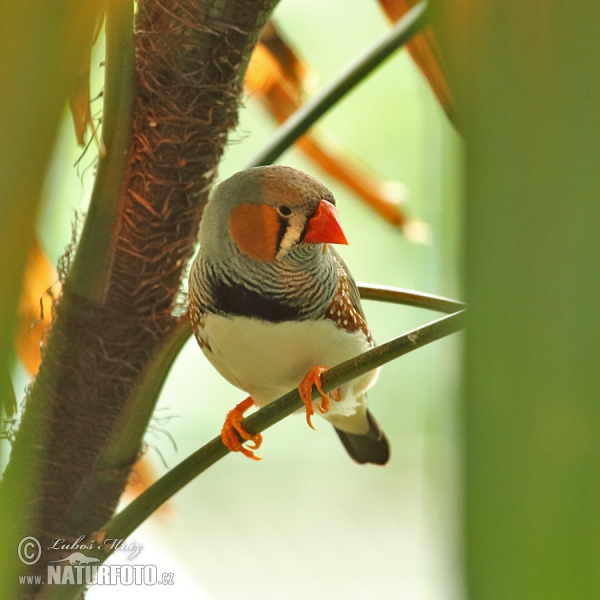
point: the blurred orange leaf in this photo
(35, 307)
(142, 477)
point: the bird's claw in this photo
(313, 377)
(232, 428)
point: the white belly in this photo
(267, 360)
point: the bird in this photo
(273, 305)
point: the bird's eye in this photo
(284, 211)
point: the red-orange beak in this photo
(324, 226)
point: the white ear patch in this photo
(292, 234)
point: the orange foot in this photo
(305, 390)
(232, 425)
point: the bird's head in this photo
(267, 212)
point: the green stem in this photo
(124, 442)
(91, 267)
(412, 22)
(384, 293)
(133, 515)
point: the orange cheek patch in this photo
(254, 228)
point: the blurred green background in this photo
(306, 521)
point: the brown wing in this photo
(347, 312)
(345, 309)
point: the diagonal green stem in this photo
(412, 22)
(133, 515)
(123, 524)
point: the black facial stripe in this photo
(306, 224)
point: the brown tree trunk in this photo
(64, 473)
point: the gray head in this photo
(266, 212)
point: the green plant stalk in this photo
(91, 267)
(125, 439)
(299, 123)
(152, 384)
(132, 516)
(39, 50)
(383, 293)
(528, 94)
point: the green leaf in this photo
(528, 103)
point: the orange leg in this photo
(232, 425)
(305, 390)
